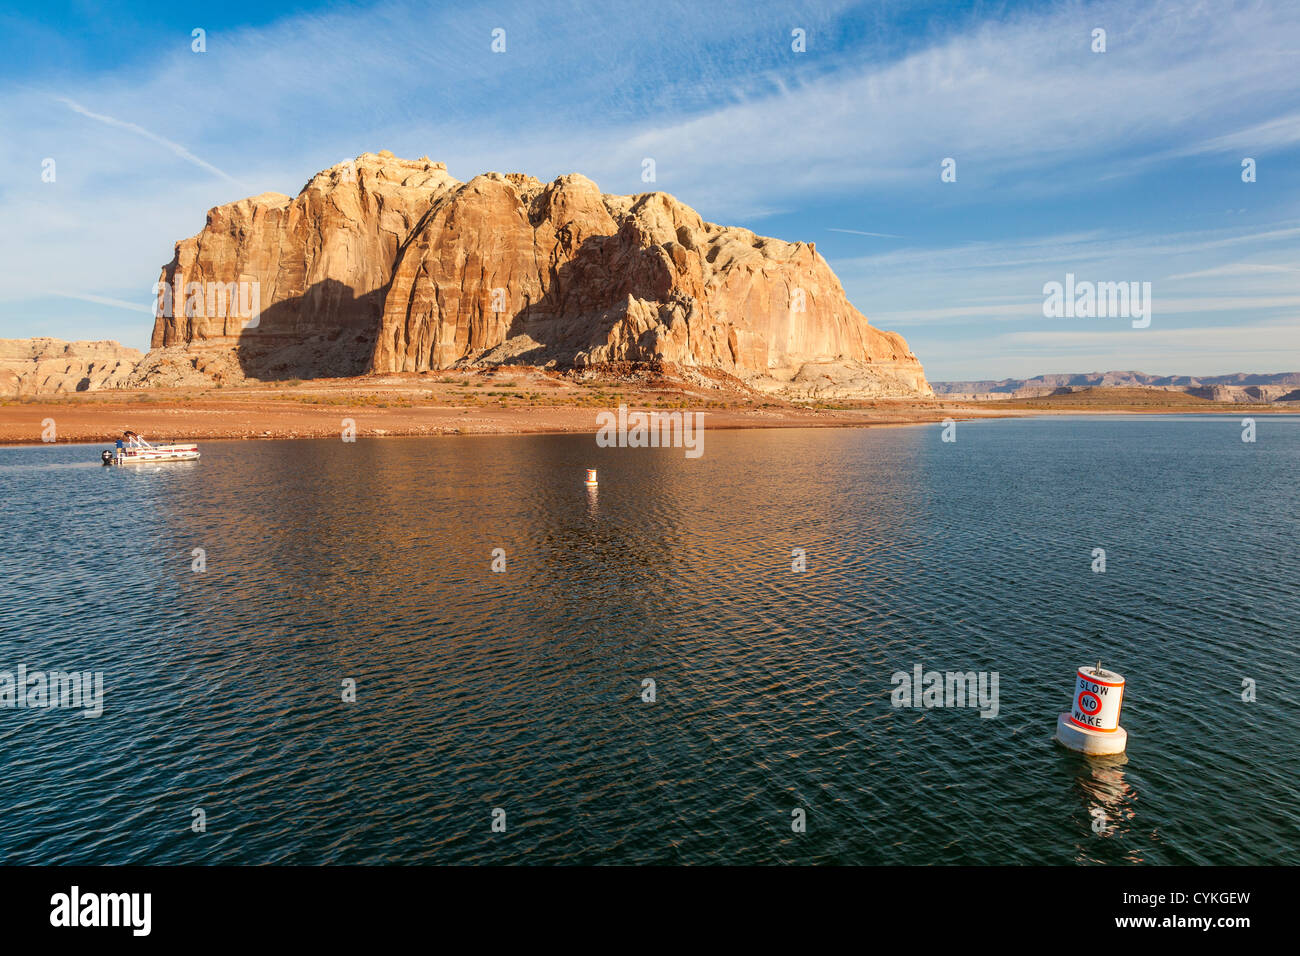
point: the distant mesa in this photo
(384, 265)
(45, 366)
(1238, 387)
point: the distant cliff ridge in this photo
(391, 265)
(1238, 387)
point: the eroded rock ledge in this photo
(45, 366)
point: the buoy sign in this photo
(1098, 695)
(1091, 725)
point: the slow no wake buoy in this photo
(1092, 724)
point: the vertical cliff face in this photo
(388, 265)
(319, 264)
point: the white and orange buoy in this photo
(1092, 724)
(591, 477)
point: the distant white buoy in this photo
(1092, 724)
(591, 476)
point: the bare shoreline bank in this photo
(23, 425)
(95, 420)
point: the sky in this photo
(1115, 166)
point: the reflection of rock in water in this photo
(592, 493)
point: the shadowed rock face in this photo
(390, 265)
(321, 263)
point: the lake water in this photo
(371, 562)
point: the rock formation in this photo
(391, 265)
(52, 366)
(1241, 387)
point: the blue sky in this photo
(1123, 165)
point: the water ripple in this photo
(371, 563)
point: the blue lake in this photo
(371, 562)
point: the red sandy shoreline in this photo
(103, 421)
(475, 404)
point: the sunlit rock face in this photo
(391, 265)
(45, 366)
(319, 264)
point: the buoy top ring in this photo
(1101, 676)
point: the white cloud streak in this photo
(738, 128)
(106, 300)
(176, 148)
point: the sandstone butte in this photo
(384, 265)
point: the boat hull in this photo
(133, 456)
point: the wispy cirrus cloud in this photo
(176, 148)
(859, 232)
(1122, 164)
(105, 300)
(1236, 269)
